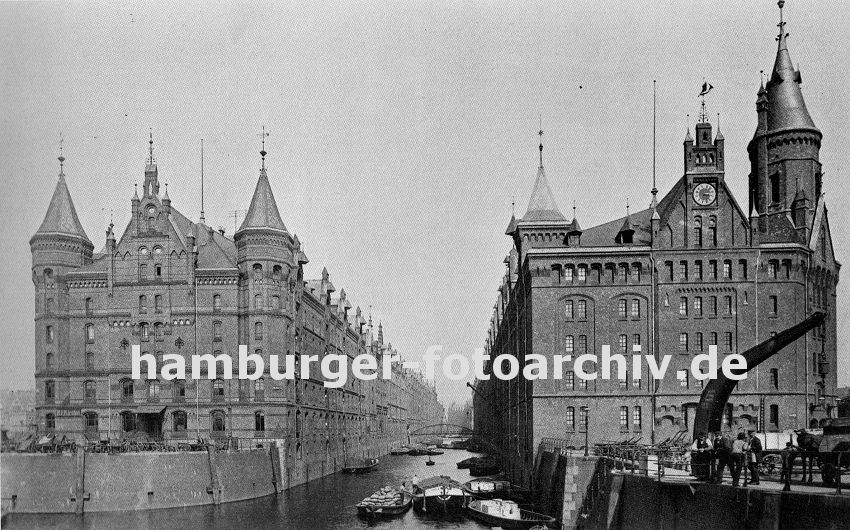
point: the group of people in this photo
(711, 456)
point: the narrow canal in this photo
(325, 503)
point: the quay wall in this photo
(99, 482)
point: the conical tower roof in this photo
(542, 206)
(786, 107)
(61, 217)
(263, 212)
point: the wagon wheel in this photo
(828, 472)
(769, 464)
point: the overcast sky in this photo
(400, 132)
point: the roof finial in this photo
(150, 148)
(540, 132)
(781, 25)
(627, 206)
(61, 156)
(654, 189)
(761, 75)
(263, 150)
(513, 206)
(574, 209)
(202, 219)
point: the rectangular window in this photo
(683, 306)
(216, 331)
(157, 303)
(621, 308)
(624, 418)
(568, 309)
(636, 339)
(698, 270)
(729, 341)
(143, 272)
(583, 419)
(624, 383)
(568, 274)
(581, 309)
(582, 384)
(569, 347)
(571, 419)
(728, 301)
(683, 270)
(698, 306)
(742, 268)
(48, 334)
(582, 273)
(570, 380)
(771, 270)
(773, 305)
(774, 414)
(774, 188)
(636, 273)
(582, 344)
(635, 308)
(623, 343)
(712, 306)
(682, 376)
(636, 382)
(669, 266)
(624, 273)
(713, 341)
(774, 378)
(683, 342)
(712, 270)
(698, 341)
(636, 418)
(143, 304)
(727, 269)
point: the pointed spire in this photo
(135, 193)
(719, 135)
(786, 107)
(166, 197)
(61, 217)
(380, 333)
(574, 226)
(202, 218)
(263, 212)
(542, 206)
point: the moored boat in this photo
(361, 466)
(385, 502)
(403, 450)
(492, 488)
(506, 514)
(439, 493)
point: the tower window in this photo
(683, 306)
(259, 421)
(774, 378)
(48, 361)
(157, 303)
(50, 422)
(774, 188)
(48, 334)
(258, 330)
(89, 333)
(49, 391)
(774, 415)
(217, 303)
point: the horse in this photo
(809, 445)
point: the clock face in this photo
(151, 210)
(704, 194)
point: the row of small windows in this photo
(613, 273)
(624, 418)
(179, 421)
(710, 306)
(698, 343)
(710, 273)
(579, 346)
(569, 382)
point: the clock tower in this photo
(704, 159)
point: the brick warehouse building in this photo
(175, 286)
(690, 271)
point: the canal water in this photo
(325, 503)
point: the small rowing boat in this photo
(385, 502)
(363, 466)
(506, 514)
(491, 488)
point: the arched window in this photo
(712, 231)
(128, 421)
(90, 360)
(218, 390)
(276, 272)
(48, 334)
(90, 421)
(127, 390)
(144, 331)
(217, 421)
(258, 330)
(258, 301)
(90, 391)
(49, 391)
(698, 231)
(158, 331)
(48, 361)
(258, 271)
(153, 390)
(179, 389)
(260, 388)
(50, 421)
(143, 304)
(178, 421)
(259, 421)
(276, 302)
(89, 333)
(157, 303)
(216, 302)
